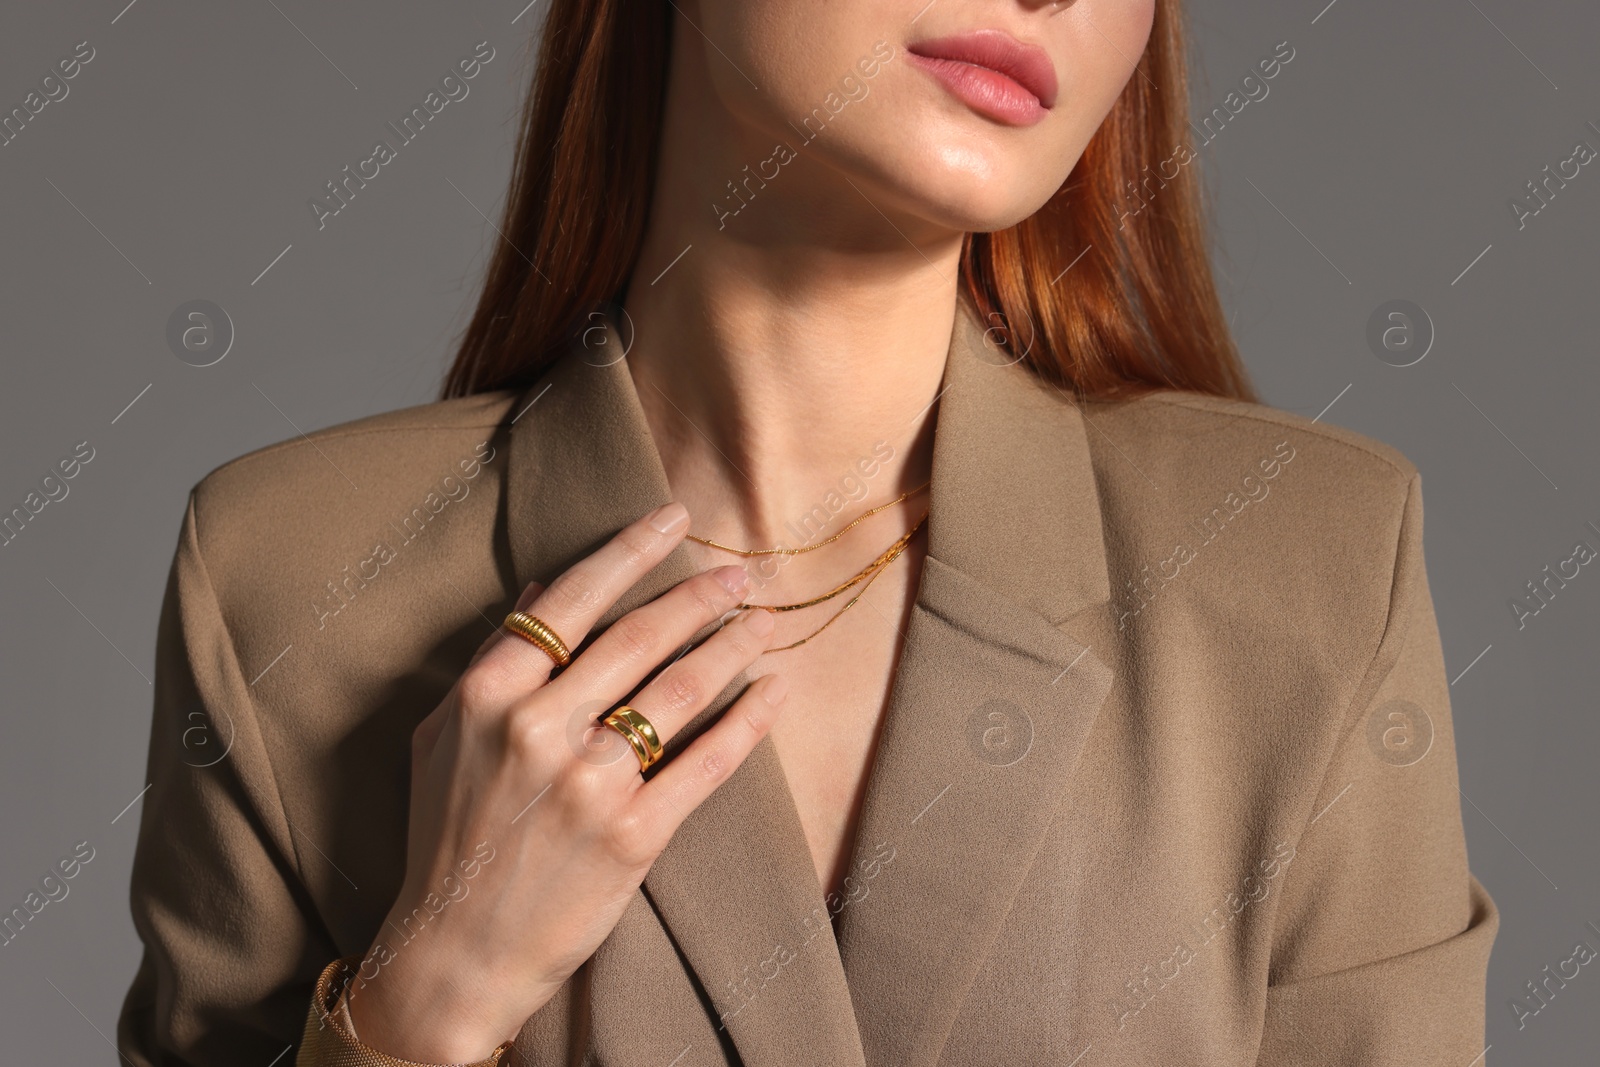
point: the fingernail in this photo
(669, 518)
(775, 688)
(758, 621)
(733, 579)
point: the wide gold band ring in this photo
(532, 629)
(639, 733)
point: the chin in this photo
(950, 179)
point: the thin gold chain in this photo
(884, 559)
(807, 548)
(895, 550)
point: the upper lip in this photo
(1026, 64)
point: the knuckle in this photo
(710, 596)
(576, 591)
(476, 690)
(636, 636)
(629, 836)
(714, 764)
(585, 789)
(528, 736)
(740, 640)
(680, 689)
(636, 545)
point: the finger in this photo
(528, 595)
(582, 593)
(689, 777)
(636, 644)
(676, 695)
(428, 730)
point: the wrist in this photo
(331, 1036)
(415, 1009)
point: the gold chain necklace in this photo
(808, 548)
(877, 567)
(864, 577)
(884, 558)
(889, 557)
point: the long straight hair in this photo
(1106, 291)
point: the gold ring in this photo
(533, 629)
(640, 734)
(640, 749)
(643, 727)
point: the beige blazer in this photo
(1168, 774)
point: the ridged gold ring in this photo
(532, 629)
(640, 734)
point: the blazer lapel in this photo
(990, 706)
(992, 701)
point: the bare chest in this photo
(839, 689)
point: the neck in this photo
(789, 337)
(770, 379)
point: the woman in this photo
(1047, 699)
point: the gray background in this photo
(1380, 166)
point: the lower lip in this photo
(985, 91)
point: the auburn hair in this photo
(1106, 290)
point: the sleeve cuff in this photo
(330, 1039)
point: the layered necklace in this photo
(863, 577)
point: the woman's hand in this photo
(531, 831)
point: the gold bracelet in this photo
(327, 1041)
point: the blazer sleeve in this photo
(232, 942)
(1381, 938)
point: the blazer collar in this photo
(991, 703)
